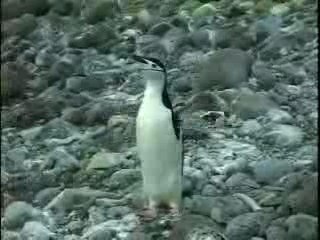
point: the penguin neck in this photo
(155, 88)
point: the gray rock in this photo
(267, 26)
(241, 183)
(249, 105)
(283, 135)
(302, 227)
(279, 116)
(16, 8)
(201, 38)
(17, 213)
(17, 156)
(160, 28)
(104, 160)
(250, 128)
(92, 36)
(211, 191)
(74, 116)
(182, 84)
(118, 212)
(269, 171)
(245, 226)
(62, 69)
(59, 159)
(72, 198)
(22, 26)
(124, 178)
(35, 230)
(208, 102)
(220, 209)
(8, 235)
(97, 10)
(276, 233)
(65, 7)
(216, 71)
(305, 199)
(204, 11)
(45, 58)
(43, 197)
(192, 226)
(265, 77)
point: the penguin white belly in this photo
(160, 153)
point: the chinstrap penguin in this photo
(159, 141)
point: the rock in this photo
(250, 105)
(60, 160)
(220, 209)
(182, 84)
(43, 197)
(269, 171)
(204, 11)
(160, 28)
(74, 116)
(250, 128)
(241, 183)
(65, 7)
(62, 69)
(35, 230)
(283, 135)
(280, 10)
(46, 57)
(124, 178)
(265, 78)
(14, 78)
(19, 27)
(305, 199)
(216, 72)
(279, 116)
(8, 235)
(233, 37)
(208, 102)
(302, 226)
(276, 233)
(97, 10)
(118, 212)
(104, 160)
(73, 198)
(78, 84)
(201, 38)
(246, 226)
(117, 228)
(16, 8)
(16, 157)
(18, 213)
(192, 226)
(98, 35)
(269, 25)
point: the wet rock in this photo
(118, 212)
(204, 11)
(43, 197)
(284, 135)
(241, 183)
(64, 7)
(208, 102)
(269, 25)
(302, 226)
(233, 37)
(216, 71)
(19, 27)
(62, 69)
(16, 157)
(201, 38)
(265, 78)
(268, 171)
(279, 116)
(35, 230)
(77, 84)
(17, 213)
(45, 58)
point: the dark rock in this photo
(16, 8)
(207, 102)
(276, 233)
(20, 26)
(92, 36)
(267, 26)
(241, 182)
(233, 38)
(74, 116)
(124, 178)
(62, 69)
(216, 71)
(265, 78)
(160, 29)
(302, 227)
(96, 10)
(43, 197)
(64, 7)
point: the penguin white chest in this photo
(160, 152)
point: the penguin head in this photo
(152, 68)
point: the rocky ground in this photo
(242, 74)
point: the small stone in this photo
(279, 9)
(124, 178)
(61, 160)
(276, 233)
(204, 11)
(160, 29)
(250, 128)
(279, 116)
